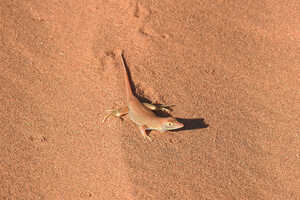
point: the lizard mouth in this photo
(180, 125)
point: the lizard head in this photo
(170, 123)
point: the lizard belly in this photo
(140, 118)
(143, 117)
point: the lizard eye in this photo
(170, 123)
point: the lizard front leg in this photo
(143, 132)
(163, 108)
(116, 113)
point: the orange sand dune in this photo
(231, 67)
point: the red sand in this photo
(233, 65)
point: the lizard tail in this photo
(129, 92)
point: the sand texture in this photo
(232, 68)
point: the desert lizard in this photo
(141, 113)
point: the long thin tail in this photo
(129, 92)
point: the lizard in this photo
(142, 113)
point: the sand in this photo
(231, 68)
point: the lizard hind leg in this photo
(159, 107)
(116, 113)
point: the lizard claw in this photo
(114, 112)
(143, 132)
(107, 116)
(164, 109)
(148, 138)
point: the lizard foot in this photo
(143, 132)
(159, 107)
(147, 137)
(111, 112)
(114, 112)
(165, 108)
